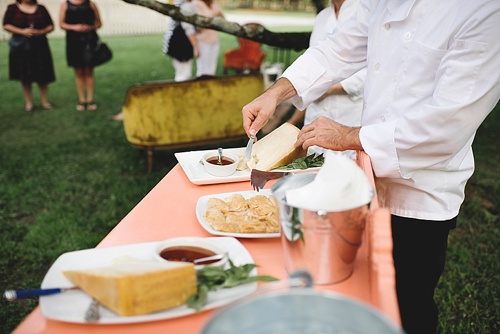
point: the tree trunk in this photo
(319, 5)
(288, 40)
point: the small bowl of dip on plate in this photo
(189, 249)
(226, 166)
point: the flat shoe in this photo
(81, 106)
(91, 105)
(117, 117)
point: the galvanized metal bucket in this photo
(323, 243)
(299, 311)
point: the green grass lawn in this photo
(67, 178)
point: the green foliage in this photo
(211, 278)
(310, 161)
(468, 292)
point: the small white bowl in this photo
(220, 170)
(191, 248)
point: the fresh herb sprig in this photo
(310, 161)
(296, 225)
(211, 278)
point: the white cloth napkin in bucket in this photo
(339, 185)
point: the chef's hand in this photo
(326, 133)
(257, 113)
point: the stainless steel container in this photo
(299, 311)
(322, 243)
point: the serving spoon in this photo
(210, 258)
(219, 156)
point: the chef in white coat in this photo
(433, 76)
(343, 101)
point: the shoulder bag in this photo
(19, 43)
(96, 54)
(179, 46)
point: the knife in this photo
(11, 295)
(248, 151)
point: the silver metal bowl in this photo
(300, 311)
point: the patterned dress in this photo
(76, 42)
(35, 63)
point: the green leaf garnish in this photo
(310, 161)
(211, 278)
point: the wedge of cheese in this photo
(134, 287)
(276, 149)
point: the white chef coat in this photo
(433, 73)
(345, 109)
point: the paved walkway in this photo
(270, 20)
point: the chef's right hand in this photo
(257, 113)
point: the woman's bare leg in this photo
(80, 85)
(44, 93)
(27, 96)
(89, 85)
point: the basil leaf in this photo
(309, 161)
(199, 300)
(211, 278)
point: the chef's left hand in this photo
(326, 133)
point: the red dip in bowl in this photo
(224, 161)
(186, 254)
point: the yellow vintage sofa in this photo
(169, 114)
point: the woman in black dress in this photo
(30, 59)
(80, 19)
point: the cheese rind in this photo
(136, 287)
(276, 149)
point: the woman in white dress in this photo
(208, 39)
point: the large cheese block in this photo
(276, 149)
(134, 287)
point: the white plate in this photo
(190, 163)
(202, 205)
(70, 306)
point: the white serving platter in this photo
(195, 171)
(202, 205)
(70, 306)
(190, 163)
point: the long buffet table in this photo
(169, 211)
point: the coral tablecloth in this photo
(169, 211)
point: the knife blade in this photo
(248, 150)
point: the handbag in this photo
(19, 43)
(179, 46)
(98, 55)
